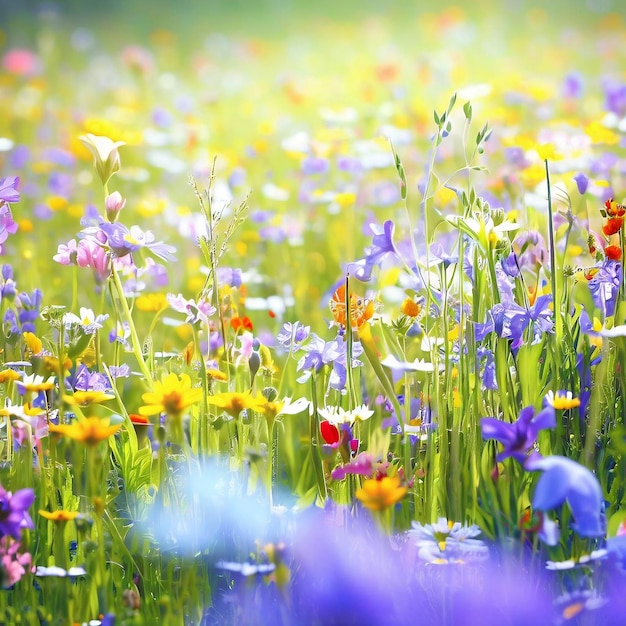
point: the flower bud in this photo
(114, 203)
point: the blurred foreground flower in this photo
(564, 480)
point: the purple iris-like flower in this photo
(564, 480)
(8, 189)
(582, 182)
(519, 436)
(381, 249)
(488, 368)
(13, 511)
(510, 266)
(84, 380)
(517, 319)
(605, 285)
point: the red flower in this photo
(329, 432)
(614, 253)
(237, 323)
(613, 226)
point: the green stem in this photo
(134, 338)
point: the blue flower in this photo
(564, 480)
(518, 437)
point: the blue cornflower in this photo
(518, 437)
(564, 480)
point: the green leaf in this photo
(467, 110)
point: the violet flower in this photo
(8, 189)
(582, 182)
(564, 480)
(604, 286)
(13, 511)
(518, 437)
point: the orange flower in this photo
(90, 431)
(361, 309)
(614, 253)
(410, 308)
(237, 323)
(377, 495)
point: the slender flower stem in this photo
(556, 302)
(134, 338)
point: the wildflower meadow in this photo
(312, 313)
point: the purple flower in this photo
(381, 249)
(8, 189)
(582, 182)
(539, 317)
(230, 276)
(123, 241)
(605, 285)
(84, 380)
(291, 335)
(13, 513)
(363, 465)
(7, 225)
(564, 480)
(314, 165)
(518, 437)
(573, 85)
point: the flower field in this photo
(312, 314)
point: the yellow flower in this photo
(59, 516)
(171, 395)
(152, 302)
(234, 402)
(33, 343)
(377, 495)
(90, 431)
(9, 374)
(546, 151)
(562, 400)
(83, 398)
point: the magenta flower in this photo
(13, 511)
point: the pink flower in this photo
(21, 62)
